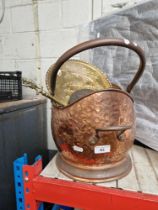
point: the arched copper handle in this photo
(97, 43)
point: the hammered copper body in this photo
(94, 133)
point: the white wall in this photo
(34, 33)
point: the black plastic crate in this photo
(10, 85)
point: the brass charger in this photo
(76, 79)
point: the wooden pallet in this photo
(143, 177)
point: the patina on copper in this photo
(95, 132)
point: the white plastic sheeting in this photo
(138, 24)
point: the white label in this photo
(59, 73)
(126, 41)
(102, 149)
(98, 35)
(78, 149)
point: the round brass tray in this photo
(76, 75)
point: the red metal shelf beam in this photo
(81, 195)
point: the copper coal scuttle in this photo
(93, 120)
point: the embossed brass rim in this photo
(104, 82)
(93, 67)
